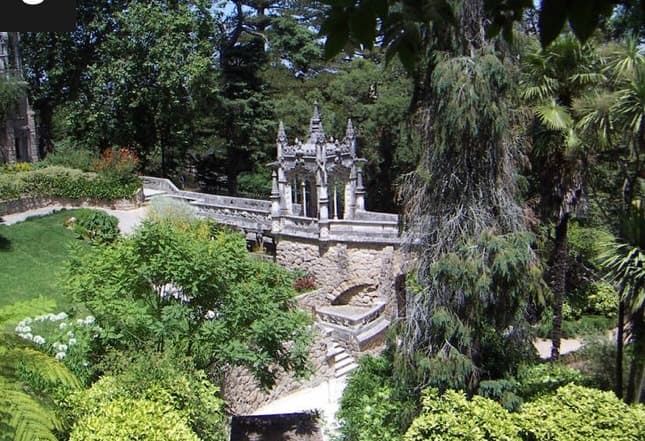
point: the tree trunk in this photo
(559, 282)
(619, 349)
(637, 368)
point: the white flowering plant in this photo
(69, 340)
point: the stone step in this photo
(342, 372)
(334, 350)
(342, 363)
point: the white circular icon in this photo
(33, 2)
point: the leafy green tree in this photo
(11, 90)
(189, 287)
(465, 314)
(56, 63)
(141, 91)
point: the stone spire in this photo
(282, 135)
(281, 140)
(350, 133)
(350, 137)
(316, 130)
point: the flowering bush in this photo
(305, 283)
(15, 167)
(117, 165)
(68, 340)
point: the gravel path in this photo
(128, 219)
(566, 345)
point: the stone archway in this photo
(354, 292)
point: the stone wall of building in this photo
(359, 274)
(244, 395)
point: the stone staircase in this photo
(344, 363)
(360, 327)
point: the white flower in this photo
(80, 322)
(210, 315)
(39, 340)
(72, 341)
(23, 329)
(89, 320)
(58, 317)
(59, 356)
(27, 336)
(70, 334)
(62, 325)
(59, 347)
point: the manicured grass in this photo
(32, 254)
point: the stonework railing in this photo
(254, 215)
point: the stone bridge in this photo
(316, 222)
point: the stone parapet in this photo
(34, 202)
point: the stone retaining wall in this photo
(244, 395)
(33, 202)
(359, 274)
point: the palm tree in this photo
(625, 265)
(552, 79)
(626, 132)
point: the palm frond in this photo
(624, 59)
(554, 116)
(595, 119)
(624, 262)
(629, 107)
(24, 416)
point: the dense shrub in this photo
(598, 360)
(65, 183)
(171, 210)
(602, 299)
(545, 378)
(573, 413)
(194, 289)
(586, 325)
(95, 226)
(576, 413)
(71, 156)
(124, 419)
(168, 381)
(374, 406)
(452, 417)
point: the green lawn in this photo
(32, 254)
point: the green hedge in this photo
(572, 413)
(65, 183)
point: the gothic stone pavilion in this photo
(321, 178)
